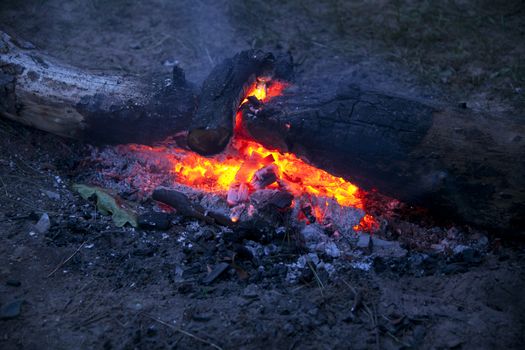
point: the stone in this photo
(43, 224)
(251, 291)
(154, 221)
(51, 195)
(13, 283)
(381, 247)
(11, 310)
(216, 272)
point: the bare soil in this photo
(88, 284)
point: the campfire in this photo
(248, 131)
(262, 175)
(247, 174)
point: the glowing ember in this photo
(235, 169)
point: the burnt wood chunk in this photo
(459, 163)
(220, 97)
(264, 177)
(185, 207)
(266, 198)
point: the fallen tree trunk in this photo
(464, 164)
(39, 91)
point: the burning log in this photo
(466, 165)
(221, 95)
(39, 91)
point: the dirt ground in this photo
(85, 283)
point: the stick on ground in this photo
(65, 261)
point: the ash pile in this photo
(267, 232)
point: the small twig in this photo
(176, 329)
(317, 279)
(376, 326)
(65, 261)
(397, 339)
(209, 56)
(372, 314)
(351, 288)
(4, 186)
(94, 318)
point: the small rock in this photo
(11, 310)
(313, 236)
(332, 250)
(13, 283)
(381, 247)
(289, 328)
(135, 305)
(201, 317)
(363, 240)
(469, 256)
(51, 195)
(170, 63)
(460, 248)
(135, 46)
(250, 291)
(438, 248)
(152, 331)
(215, 273)
(155, 221)
(43, 224)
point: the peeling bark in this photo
(41, 92)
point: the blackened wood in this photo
(185, 207)
(223, 92)
(267, 198)
(39, 91)
(463, 164)
(220, 97)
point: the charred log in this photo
(222, 93)
(467, 165)
(39, 91)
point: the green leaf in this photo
(107, 205)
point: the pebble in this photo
(11, 310)
(216, 272)
(51, 195)
(43, 224)
(155, 221)
(251, 291)
(13, 283)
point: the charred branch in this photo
(185, 207)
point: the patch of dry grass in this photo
(471, 49)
